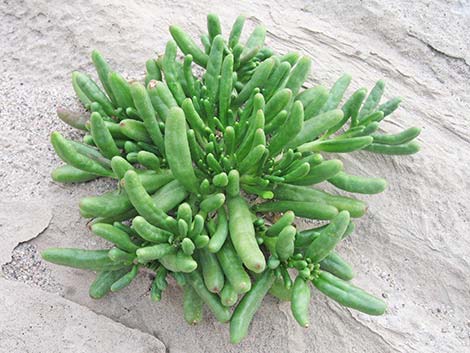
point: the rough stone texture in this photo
(27, 266)
(34, 321)
(412, 247)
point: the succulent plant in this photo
(212, 170)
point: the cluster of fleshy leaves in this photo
(212, 170)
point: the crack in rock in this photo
(21, 221)
(27, 266)
(439, 51)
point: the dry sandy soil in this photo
(412, 248)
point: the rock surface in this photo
(15, 227)
(34, 321)
(412, 247)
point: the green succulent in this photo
(212, 170)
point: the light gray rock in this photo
(412, 247)
(33, 321)
(21, 221)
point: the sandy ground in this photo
(412, 248)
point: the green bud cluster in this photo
(213, 169)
